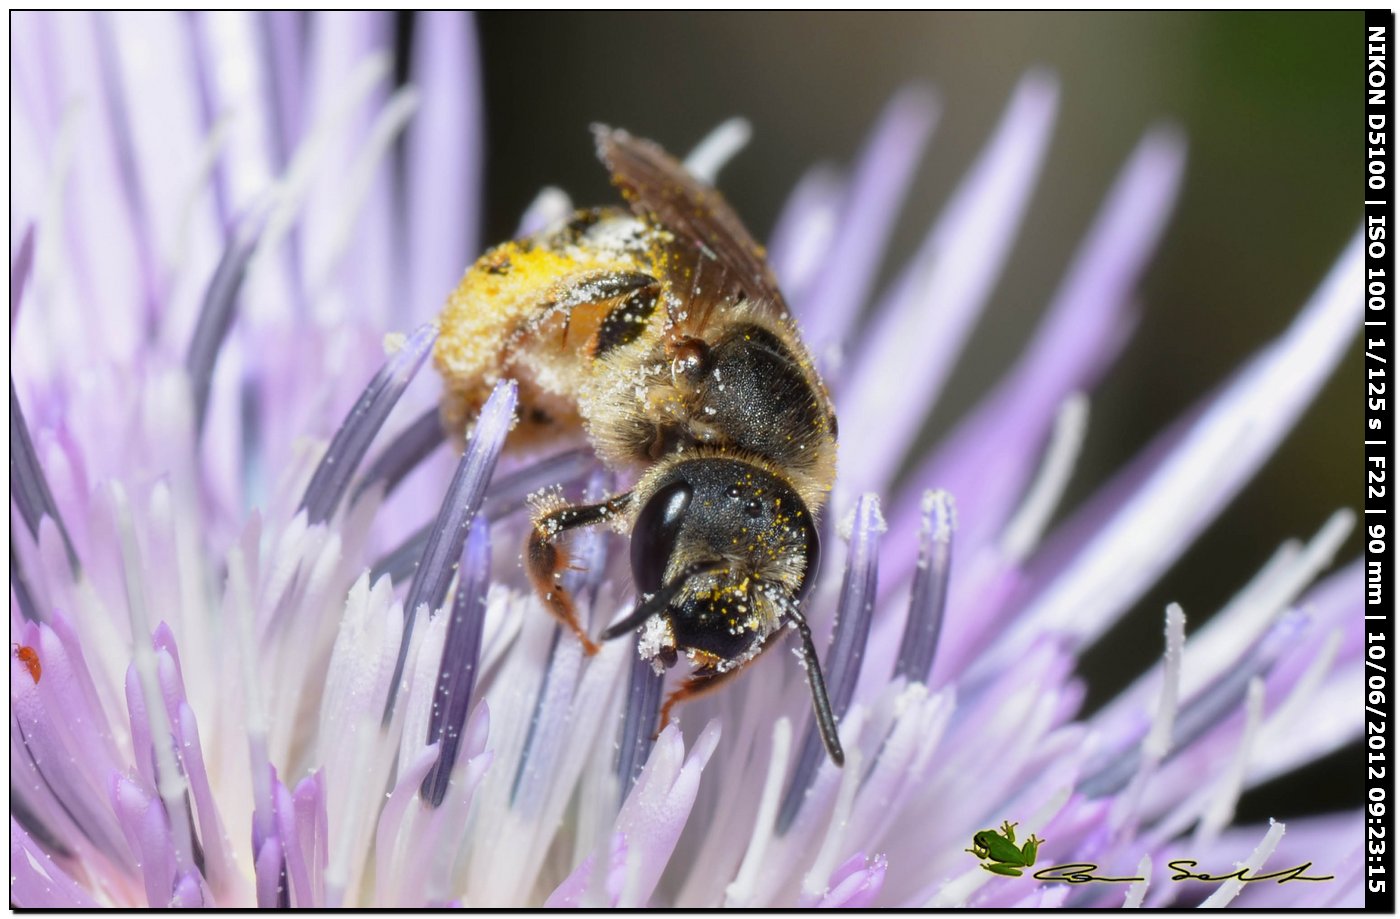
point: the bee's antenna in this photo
(821, 705)
(658, 601)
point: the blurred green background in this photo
(1270, 103)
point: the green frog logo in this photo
(999, 853)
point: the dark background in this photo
(1270, 103)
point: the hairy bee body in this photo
(660, 338)
(513, 315)
(576, 315)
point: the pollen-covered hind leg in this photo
(546, 560)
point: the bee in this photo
(660, 335)
(28, 657)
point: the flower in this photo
(249, 670)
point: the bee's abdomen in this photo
(542, 311)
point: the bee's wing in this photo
(713, 259)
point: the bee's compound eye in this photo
(654, 535)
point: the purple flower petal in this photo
(550, 206)
(218, 864)
(460, 658)
(158, 82)
(28, 818)
(449, 533)
(856, 884)
(309, 855)
(843, 659)
(270, 870)
(640, 713)
(20, 266)
(881, 180)
(152, 762)
(135, 188)
(444, 152)
(1222, 448)
(418, 844)
(941, 293)
(284, 47)
(714, 151)
(354, 260)
(546, 731)
(190, 892)
(25, 601)
(154, 695)
(102, 253)
(39, 882)
(655, 812)
(1204, 711)
(930, 590)
(362, 423)
(1230, 639)
(66, 687)
(507, 495)
(396, 872)
(214, 858)
(349, 203)
(220, 299)
(202, 82)
(403, 454)
(30, 489)
(66, 791)
(338, 44)
(226, 48)
(1069, 350)
(143, 820)
(802, 236)
(572, 891)
(1330, 844)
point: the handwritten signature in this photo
(1082, 873)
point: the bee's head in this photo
(714, 538)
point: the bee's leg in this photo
(608, 308)
(546, 560)
(701, 681)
